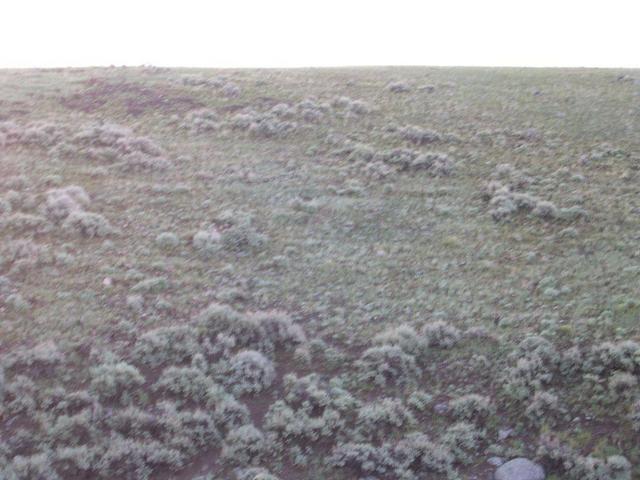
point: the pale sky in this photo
(290, 33)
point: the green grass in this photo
(345, 263)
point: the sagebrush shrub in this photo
(441, 334)
(189, 383)
(230, 414)
(166, 345)
(167, 240)
(42, 357)
(130, 459)
(87, 224)
(419, 136)
(463, 440)
(387, 364)
(245, 445)
(115, 381)
(380, 419)
(543, 408)
(405, 337)
(254, 474)
(417, 454)
(250, 372)
(472, 407)
(398, 87)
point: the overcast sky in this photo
(297, 33)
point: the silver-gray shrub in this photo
(230, 413)
(387, 364)
(187, 383)
(115, 381)
(441, 334)
(60, 202)
(418, 135)
(382, 419)
(405, 337)
(472, 407)
(39, 359)
(534, 363)
(543, 408)
(463, 440)
(130, 459)
(87, 224)
(20, 395)
(263, 331)
(244, 446)
(175, 345)
(575, 466)
(254, 473)
(311, 409)
(249, 371)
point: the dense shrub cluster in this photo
(507, 197)
(232, 231)
(115, 144)
(380, 163)
(311, 409)
(64, 207)
(575, 466)
(156, 405)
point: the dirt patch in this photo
(134, 98)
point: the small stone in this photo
(495, 461)
(504, 433)
(107, 282)
(520, 469)
(441, 408)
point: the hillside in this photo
(325, 273)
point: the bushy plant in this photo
(167, 240)
(87, 224)
(441, 334)
(245, 445)
(418, 135)
(129, 459)
(164, 345)
(250, 372)
(362, 458)
(115, 381)
(387, 364)
(472, 407)
(189, 383)
(230, 414)
(380, 419)
(463, 440)
(543, 408)
(71, 430)
(20, 395)
(74, 462)
(263, 331)
(60, 202)
(416, 453)
(31, 467)
(575, 466)
(151, 285)
(39, 359)
(405, 337)
(398, 86)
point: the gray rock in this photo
(520, 469)
(495, 461)
(441, 408)
(504, 433)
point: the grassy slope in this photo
(406, 249)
